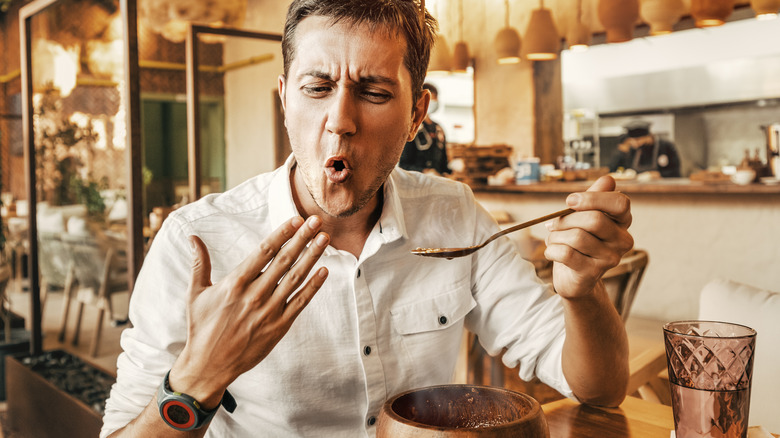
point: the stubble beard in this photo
(364, 197)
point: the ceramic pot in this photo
(460, 411)
(618, 18)
(661, 14)
(709, 13)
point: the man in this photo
(644, 152)
(310, 325)
(427, 152)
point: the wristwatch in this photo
(182, 412)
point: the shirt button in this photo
(371, 420)
(442, 320)
(367, 350)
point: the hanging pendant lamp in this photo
(542, 42)
(618, 18)
(578, 36)
(460, 54)
(507, 42)
(441, 59)
(661, 15)
(765, 9)
(708, 13)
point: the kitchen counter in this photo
(664, 186)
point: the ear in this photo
(419, 112)
(281, 89)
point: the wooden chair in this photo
(54, 264)
(100, 270)
(622, 281)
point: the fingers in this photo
(253, 265)
(201, 266)
(569, 245)
(604, 184)
(287, 265)
(302, 298)
(575, 260)
(602, 197)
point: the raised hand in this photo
(234, 324)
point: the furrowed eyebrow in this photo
(373, 79)
(317, 74)
(365, 80)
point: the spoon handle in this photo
(527, 224)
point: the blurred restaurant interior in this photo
(114, 113)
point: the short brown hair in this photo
(401, 17)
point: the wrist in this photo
(206, 390)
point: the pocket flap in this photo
(435, 313)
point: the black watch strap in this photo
(183, 412)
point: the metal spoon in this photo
(450, 253)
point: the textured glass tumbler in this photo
(710, 366)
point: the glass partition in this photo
(79, 108)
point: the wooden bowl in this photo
(461, 411)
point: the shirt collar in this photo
(391, 223)
(282, 207)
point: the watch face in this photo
(178, 415)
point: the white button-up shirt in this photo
(381, 324)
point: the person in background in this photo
(427, 153)
(645, 152)
(293, 300)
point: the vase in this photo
(661, 15)
(618, 18)
(708, 13)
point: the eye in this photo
(316, 90)
(376, 96)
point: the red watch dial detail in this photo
(179, 414)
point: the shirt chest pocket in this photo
(436, 313)
(432, 329)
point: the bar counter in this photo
(693, 232)
(663, 186)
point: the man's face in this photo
(348, 111)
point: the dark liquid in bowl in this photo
(460, 408)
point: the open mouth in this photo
(338, 169)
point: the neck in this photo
(347, 233)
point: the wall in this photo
(691, 239)
(250, 94)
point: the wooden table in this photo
(635, 418)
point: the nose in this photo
(342, 114)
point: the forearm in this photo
(150, 423)
(595, 353)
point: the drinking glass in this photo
(710, 366)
